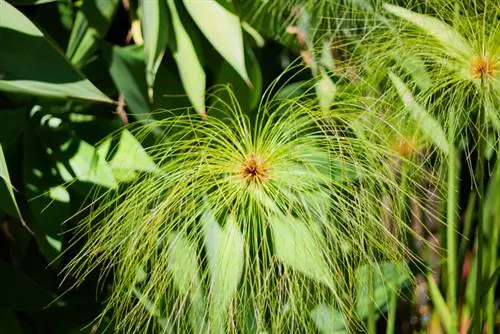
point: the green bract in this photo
(244, 225)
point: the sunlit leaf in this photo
(155, 32)
(225, 260)
(184, 266)
(328, 320)
(428, 125)
(450, 39)
(91, 23)
(222, 29)
(192, 74)
(298, 248)
(44, 70)
(126, 157)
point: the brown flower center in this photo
(254, 169)
(483, 67)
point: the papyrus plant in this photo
(246, 224)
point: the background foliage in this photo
(73, 72)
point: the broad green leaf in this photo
(78, 160)
(328, 320)
(8, 200)
(428, 125)
(298, 247)
(222, 29)
(126, 157)
(44, 69)
(48, 201)
(385, 278)
(9, 323)
(191, 72)
(225, 257)
(454, 44)
(19, 292)
(91, 23)
(155, 31)
(183, 262)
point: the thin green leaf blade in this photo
(191, 72)
(222, 29)
(6, 190)
(155, 32)
(449, 38)
(428, 125)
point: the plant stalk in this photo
(478, 319)
(451, 229)
(391, 318)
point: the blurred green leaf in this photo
(225, 260)
(91, 23)
(126, 157)
(185, 272)
(298, 248)
(11, 124)
(328, 320)
(32, 64)
(30, 2)
(9, 323)
(222, 29)
(191, 72)
(428, 125)
(155, 32)
(385, 278)
(454, 44)
(19, 292)
(7, 199)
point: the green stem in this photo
(493, 244)
(451, 229)
(372, 323)
(477, 321)
(391, 318)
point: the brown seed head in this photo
(254, 169)
(484, 67)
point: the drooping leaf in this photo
(7, 199)
(428, 125)
(127, 68)
(328, 320)
(184, 267)
(222, 29)
(126, 157)
(299, 248)
(191, 72)
(91, 23)
(155, 32)
(454, 44)
(44, 70)
(225, 261)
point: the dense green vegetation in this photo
(287, 166)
